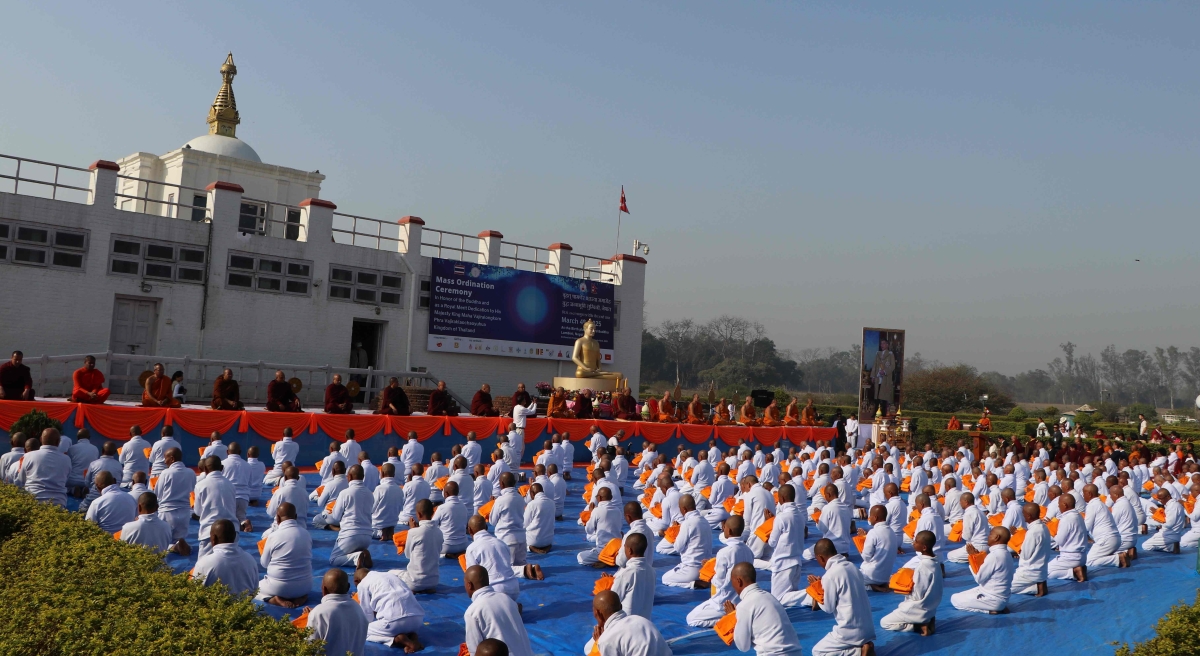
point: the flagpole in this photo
(618, 251)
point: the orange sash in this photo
(400, 538)
(708, 570)
(860, 541)
(976, 560)
(605, 582)
(302, 621)
(763, 532)
(671, 533)
(1017, 540)
(724, 627)
(955, 534)
(817, 591)
(902, 581)
(486, 510)
(608, 555)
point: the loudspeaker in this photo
(762, 398)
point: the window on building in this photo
(252, 218)
(199, 202)
(156, 260)
(40, 245)
(365, 286)
(269, 274)
(426, 287)
(293, 226)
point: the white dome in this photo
(224, 146)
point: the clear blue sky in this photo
(983, 180)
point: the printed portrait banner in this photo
(881, 374)
(489, 310)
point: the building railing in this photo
(592, 268)
(368, 233)
(524, 257)
(450, 245)
(49, 179)
(52, 376)
(161, 199)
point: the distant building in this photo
(207, 252)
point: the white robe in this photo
(230, 565)
(878, 555)
(1072, 545)
(388, 501)
(340, 623)
(712, 609)
(846, 599)
(493, 614)
(493, 555)
(424, 551)
(390, 607)
(921, 604)
(214, 500)
(451, 518)
(994, 577)
(149, 531)
(626, 634)
(1034, 564)
(287, 559)
(694, 545)
(634, 585)
(112, 509)
(763, 625)
(539, 521)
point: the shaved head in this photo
(606, 603)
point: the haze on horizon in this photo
(982, 177)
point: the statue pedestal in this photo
(594, 384)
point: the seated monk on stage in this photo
(394, 400)
(557, 408)
(985, 424)
(337, 398)
(481, 403)
(808, 416)
(695, 411)
(439, 401)
(280, 397)
(89, 383)
(16, 383)
(583, 405)
(791, 415)
(748, 415)
(666, 410)
(520, 398)
(722, 418)
(954, 424)
(157, 393)
(624, 407)
(771, 415)
(226, 395)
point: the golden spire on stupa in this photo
(223, 116)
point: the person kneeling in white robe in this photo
(634, 583)
(619, 633)
(846, 599)
(735, 551)
(337, 619)
(994, 578)
(394, 613)
(492, 613)
(487, 550)
(879, 550)
(916, 612)
(694, 544)
(423, 548)
(226, 562)
(603, 526)
(148, 530)
(762, 623)
(1171, 532)
(1071, 541)
(287, 558)
(786, 543)
(1033, 567)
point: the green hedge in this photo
(69, 588)
(1176, 634)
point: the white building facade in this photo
(207, 252)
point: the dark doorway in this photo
(364, 352)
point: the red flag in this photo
(624, 207)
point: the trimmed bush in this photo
(1176, 634)
(1017, 414)
(70, 588)
(33, 423)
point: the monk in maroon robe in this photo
(226, 395)
(394, 401)
(280, 397)
(337, 398)
(16, 383)
(520, 398)
(583, 406)
(439, 401)
(481, 403)
(624, 407)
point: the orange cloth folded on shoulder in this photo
(763, 532)
(462, 562)
(441, 482)
(817, 591)
(910, 529)
(671, 533)
(725, 626)
(708, 570)
(906, 484)
(605, 582)
(976, 560)
(955, 534)
(329, 506)
(902, 581)
(1159, 515)
(486, 510)
(996, 520)
(302, 621)
(608, 555)
(860, 541)
(1029, 495)
(1017, 540)
(400, 538)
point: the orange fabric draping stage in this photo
(114, 421)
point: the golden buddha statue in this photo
(586, 356)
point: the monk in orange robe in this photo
(695, 411)
(748, 415)
(954, 424)
(791, 414)
(557, 408)
(771, 415)
(88, 383)
(722, 417)
(985, 424)
(666, 410)
(808, 416)
(157, 393)
(226, 395)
